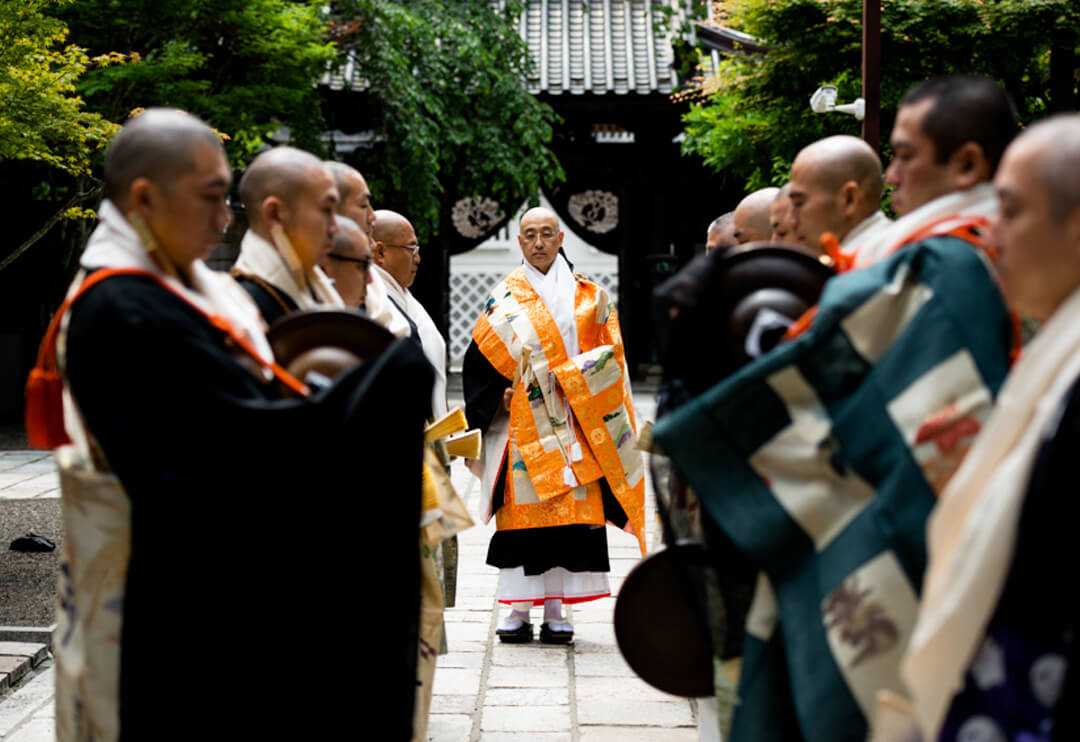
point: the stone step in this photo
(17, 659)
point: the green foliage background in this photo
(445, 96)
(42, 117)
(760, 117)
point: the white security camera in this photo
(824, 100)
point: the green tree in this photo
(759, 117)
(42, 117)
(443, 88)
(248, 67)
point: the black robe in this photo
(1038, 613)
(577, 548)
(273, 302)
(264, 531)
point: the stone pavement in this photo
(28, 475)
(484, 691)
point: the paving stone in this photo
(460, 659)
(528, 655)
(9, 478)
(635, 713)
(594, 637)
(527, 697)
(35, 652)
(39, 466)
(453, 704)
(637, 734)
(27, 700)
(467, 632)
(602, 665)
(600, 611)
(464, 615)
(457, 645)
(528, 677)
(525, 737)
(456, 680)
(14, 668)
(589, 689)
(448, 727)
(525, 719)
(37, 730)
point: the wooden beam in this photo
(871, 71)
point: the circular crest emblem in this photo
(597, 211)
(474, 217)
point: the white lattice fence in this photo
(468, 291)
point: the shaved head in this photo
(343, 177)
(348, 236)
(752, 216)
(539, 237)
(836, 183)
(833, 161)
(348, 262)
(721, 233)
(395, 239)
(388, 224)
(1037, 227)
(158, 145)
(780, 217)
(283, 172)
(1057, 143)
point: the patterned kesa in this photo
(97, 545)
(571, 419)
(822, 459)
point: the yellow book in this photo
(466, 445)
(451, 422)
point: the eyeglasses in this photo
(365, 263)
(414, 248)
(546, 235)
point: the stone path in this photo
(28, 474)
(485, 691)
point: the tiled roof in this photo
(598, 46)
(585, 46)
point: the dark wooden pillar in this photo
(871, 71)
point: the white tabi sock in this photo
(519, 614)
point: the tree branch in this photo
(74, 200)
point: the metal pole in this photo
(871, 71)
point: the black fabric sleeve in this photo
(483, 386)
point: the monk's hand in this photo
(507, 396)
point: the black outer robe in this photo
(260, 527)
(577, 548)
(268, 298)
(1039, 600)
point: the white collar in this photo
(979, 200)
(864, 231)
(115, 244)
(393, 288)
(378, 306)
(557, 289)
(260, 258)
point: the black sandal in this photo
(520, 635)
(555, 636)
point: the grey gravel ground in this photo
(28, 580)
(12, 436)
